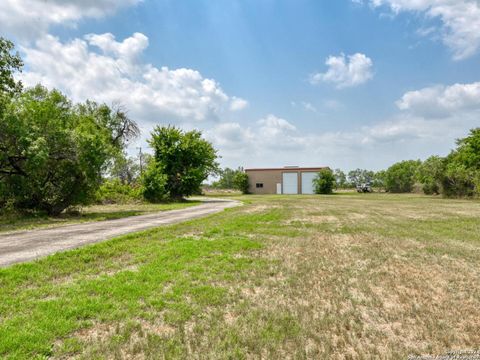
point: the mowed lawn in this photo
(305, 277)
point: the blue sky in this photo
(401, 82)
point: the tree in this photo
(458, 180)
(340, 179)
(468, 150)
(124, 168)
(461, 175)
(185, 158)
(400, 177)
(10, 63)
(226, 179)
(360, 176)
(324, 182)
(53, 153)
(430, 174)
(240, 181)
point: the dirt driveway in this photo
(21, 246)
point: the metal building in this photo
(286, 180)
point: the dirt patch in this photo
(100, 335)
(258, 208)
(316, 219)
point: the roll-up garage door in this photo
(290, 183)
(307, 182)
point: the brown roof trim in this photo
(290, 169)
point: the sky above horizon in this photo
(346, 83)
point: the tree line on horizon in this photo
(455, 175)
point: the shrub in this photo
(113, 191)
(462, 171)
(400, 177)
(324, 182)
(154, 183)
(459, 181)
(430, 174)
(240, 182)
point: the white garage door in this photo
(307, 182)
(290, 183)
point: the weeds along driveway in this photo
(21, 246)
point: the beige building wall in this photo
(271, 177)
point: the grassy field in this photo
(16, 221)
(305, 277)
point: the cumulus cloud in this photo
(29, 19)
(460, 21)
(274, 141)
(441, 101)
(345, 71)
(308, 106)
(100, 68)
(238, 104)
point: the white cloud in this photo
(30, 19)
(274, 125)
(460, 21)
(308, 106)
(345, 72)
(273, 141)
(231, 135)
(441, 101)
(100, 68)
(238, 104)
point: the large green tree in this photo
(360, 176)
(232, 179)
(462, 170)
(10, 63)
(430, 174)
(400, 177)
(53, 153)
(182, 161)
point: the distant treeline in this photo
(456, 175)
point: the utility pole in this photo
(140, 159)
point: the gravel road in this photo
(21, 246)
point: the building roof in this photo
(290, 168)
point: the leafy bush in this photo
(154, 183)
(324, 182)
(113, 191)
(400, 177)
(462, 172)
(430, 174)
(240, 182)
(459, 181)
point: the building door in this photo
(279, 188)
(307, 182)
(290, 183)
